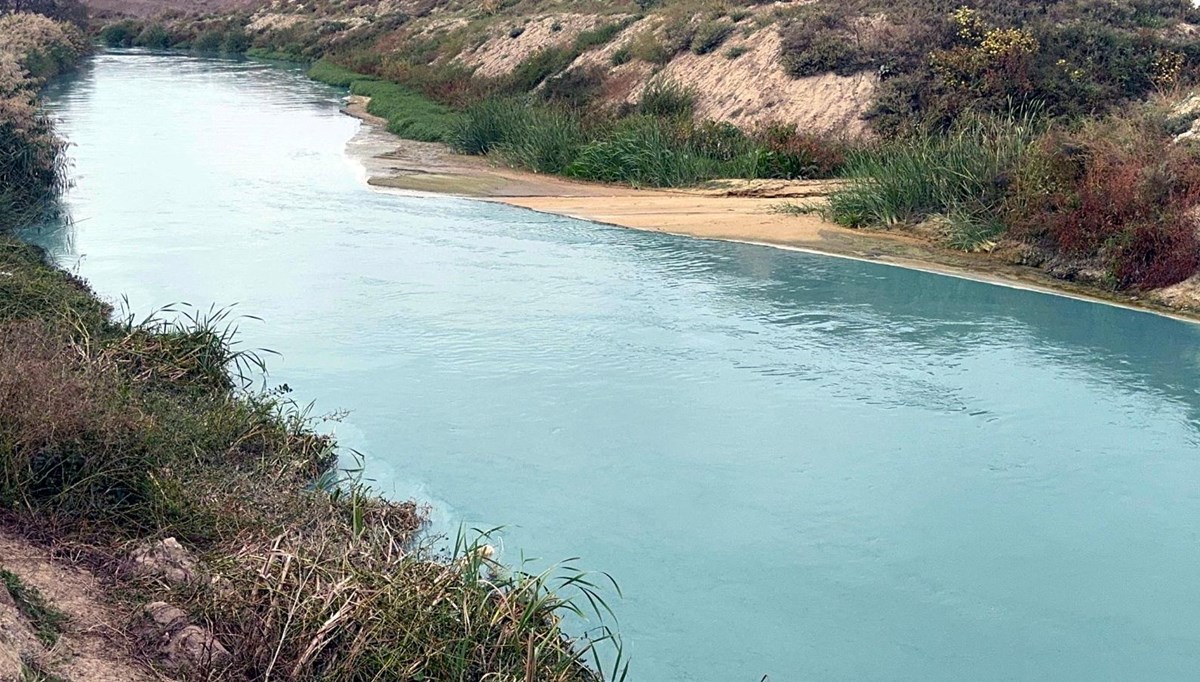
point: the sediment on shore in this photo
(748, 211)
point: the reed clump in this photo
(959, 176)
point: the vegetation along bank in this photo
(163, 515)
(1052, 139)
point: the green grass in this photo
(329, 73)
(642, 152)
(409, 114)
(47, 621)
(957, 178)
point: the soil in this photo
(91, 648)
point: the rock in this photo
(181, 645)
(195, 648)
(160, 620)
(165, 559)
(1188, 107)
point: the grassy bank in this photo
(1109, 201)
(33, 49)
(989, 123)
(114, 433)
(117, 433)
(654, 144)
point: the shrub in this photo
(538, 67)
(601, 35)
(488, 124)
(668, 99)
(120, 34)
(710, 35)
(208, 42)
(543, 140)
(735, 52)
(32, 49)
(236, 42)
(798, 154)
(621, 55)
(648, 48)
(576, 88)
(1116, 191)
(153, 36)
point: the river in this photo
(795, 466)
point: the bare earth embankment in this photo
(735, 210)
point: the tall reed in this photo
(959, 176)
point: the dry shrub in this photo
(50, 392)
(823, 154)
(351, 602)
(1117, 191)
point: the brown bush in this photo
(49, 391)
(1117, 191)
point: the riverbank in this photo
(162, 516)
(735, 210)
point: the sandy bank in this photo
(742, 211)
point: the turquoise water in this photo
(796, 466)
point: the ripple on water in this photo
(797, 466)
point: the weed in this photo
(47, 621)
(642, 152)
(710, 35)
(601, 35)
(667, 99)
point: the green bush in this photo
(153, 36)
(208, 42)
(710, 35)
(601, 35)
(488, 124)
(649, 48)
(236, 42)
(538, 67)
(577, 88)
(543, 140)
(120, 34)
(666, 98)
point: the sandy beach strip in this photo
(740, 211)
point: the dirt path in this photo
(90, 648)
(743, 211)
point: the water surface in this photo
(796, 466)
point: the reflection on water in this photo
(796, 466)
